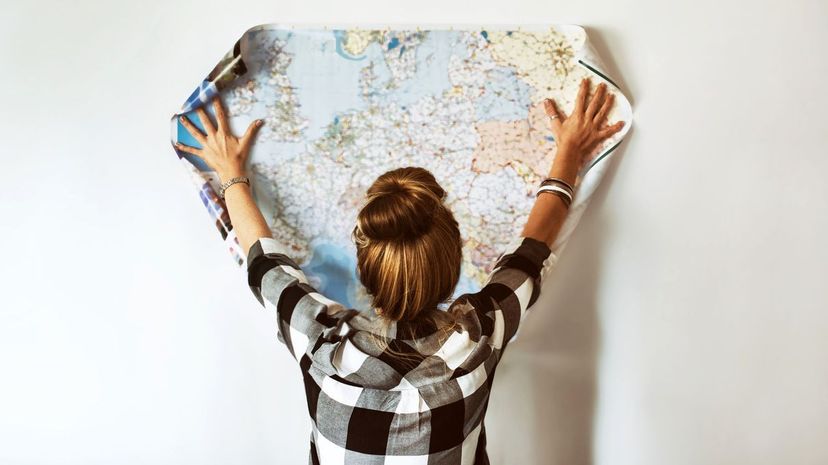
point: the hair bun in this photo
(401, 205)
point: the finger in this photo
(610, 130)
(205, 121)
(552, 110)
(193, 129)
(221, 116)
(580, 100)
(597, 101)
(254, 127)
(604, 111)
(188, 149)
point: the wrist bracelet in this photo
(551, 180)
(557, 190)
(232, 181)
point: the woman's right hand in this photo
(582, 131)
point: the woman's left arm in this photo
(304, 315)
(227, 155)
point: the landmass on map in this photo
(341, 107)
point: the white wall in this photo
(686, 323)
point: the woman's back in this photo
(420, 395)
(414, 400)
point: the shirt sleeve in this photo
(306, 318)
(511, 289)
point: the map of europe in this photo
(342, 106)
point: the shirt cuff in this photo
(265, 245)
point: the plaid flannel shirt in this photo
(368, 406)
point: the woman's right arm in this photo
(515, 282)
(549, 211)
(577, 135)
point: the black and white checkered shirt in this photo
(370, 407)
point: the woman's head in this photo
(408, 244)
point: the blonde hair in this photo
(409, 249)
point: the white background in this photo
(686, 322)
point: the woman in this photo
(409, 384)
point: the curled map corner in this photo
(343, 105)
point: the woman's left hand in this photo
(225, 153)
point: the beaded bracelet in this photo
(232, 181)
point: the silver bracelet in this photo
(561, 181)
(232, 181)
(557, 190)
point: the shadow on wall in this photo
(543, 401)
